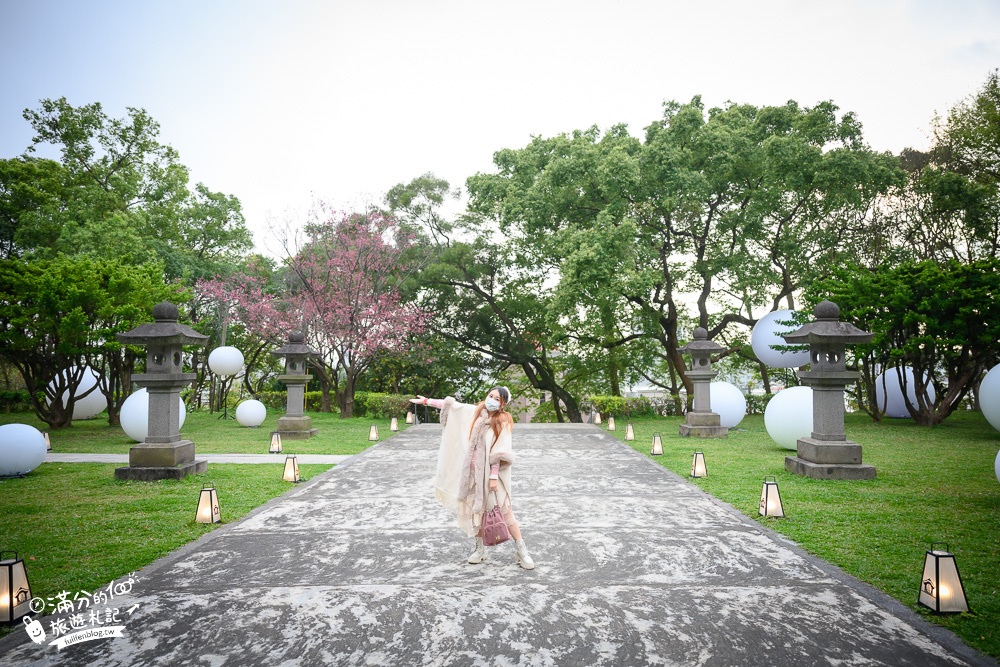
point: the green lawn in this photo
(77, 527)
(212, 435)
(932, 485)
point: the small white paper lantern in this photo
(770, 499)
(394, 424)
(208, 506)
(291, 473)
(611, 423)
(698, 467)
(251, 413)
(15, 592)
(657, 449)
(597, 418)
(22, 449)
(225, 361)
(409, 417)
(941, 585)
(766, 334)
(629, 431)
(275, 447)
(134, 415)
(373, 433)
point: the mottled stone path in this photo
(634, 567)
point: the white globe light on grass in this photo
(91, 405)
(22, 449)
(889, 397)
(729, 403)
(996, 466)
(134, 415)
(767, 333)
(251, 413)
(225, 361)
(789, 416)
(989, 400)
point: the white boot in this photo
(523, 558)
(479, 555)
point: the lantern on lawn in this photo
(292, 469)
(611, 423)
(409, 416)
(941, 586)
(208, 506)
(698, 467)
(597, 418)
(394, 424)
(770, 498)
(657, 445)
(48, 443)
(629, 432)
(373, 433)
(275, 447)
(15, 593)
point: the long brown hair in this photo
(500, 419)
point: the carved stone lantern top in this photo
(827, 329)
(165, 331)
(701, 349)
(295, 352)
(295, 347)
(827, 337)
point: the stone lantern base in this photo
(703, 425)
(148, 462)
(820, 459)
(296, 428)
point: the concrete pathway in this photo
(635, 566)
(337, 459)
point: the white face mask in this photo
(492, 404)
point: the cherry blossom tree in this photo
(349, 275)
(250, 305)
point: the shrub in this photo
(16, 400)
(377, 405)
(275, 400)
(635, 406)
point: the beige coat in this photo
(462, 480)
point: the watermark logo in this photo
(86, 617)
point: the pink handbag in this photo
(494, 527)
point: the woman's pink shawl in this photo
(457, 485)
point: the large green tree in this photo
(940, 319)
(59, 314)
(712, 219)
(119, 192)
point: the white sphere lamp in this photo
(22, 449)
(789, 416)
(251, 413)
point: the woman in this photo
(473, 435)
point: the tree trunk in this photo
(347, 398)
(613, 373)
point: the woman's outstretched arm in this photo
(423, 400)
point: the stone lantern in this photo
(828, 454)
(701, 422)
(163, 455)
(295, 425)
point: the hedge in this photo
(366, 404)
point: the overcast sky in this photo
(277, 102)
